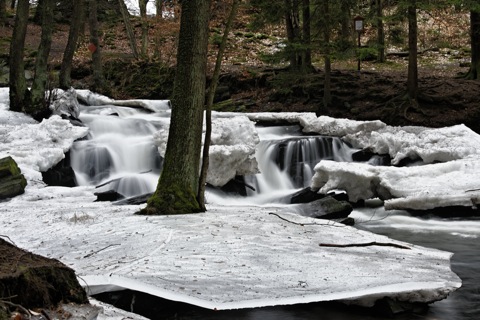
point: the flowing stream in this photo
(119, 154)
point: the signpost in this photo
(359, 27)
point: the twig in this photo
(307, 224)
(92, 253)
(24, 310)
(471, 190)
(366, 244)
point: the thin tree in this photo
(143, 16)
(412, 79)
(78, 17)
(177, 188)
(474, 72)
(3, 12)
(19, 94)
(380, 31)
(38, 102)
(327, 91)
(208, 113)
(98, 78)
(128, 28)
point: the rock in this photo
(305, 195)
(12, 182)
(34, 281)
(141, 199)
(326, 208)
(367, 154)
(110, 195)
(61, 174)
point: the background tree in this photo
(208, 113)
(38, 103)
(177, 188)
(3, 12)
(474, 72)
(143, 16)
(19, 94)
(76, 23)
(412, 80)
(99, 83)
(128, 28)
(380, 31)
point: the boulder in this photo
(326, 208)
(61, 174)
(34, 281)
(12, 181)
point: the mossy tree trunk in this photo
(412, 80)
(78, 17)
(40, 80)
(19, 94)
(178, 184)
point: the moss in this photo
(171, 200)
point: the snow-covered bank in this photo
(229, 257)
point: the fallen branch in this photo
(92, 253)
(367, 244)
(23, 309)
(334, 224)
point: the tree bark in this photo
(37, 17)
(380, 32)
(306, 30)
(98, 79)
(475, 45)
(143, 16)
(128, 28)
(178, 184)
(75, 27)
(412, 81)
(19, 94)
(40, 80)
(327, 91)
(208, 113)
(3, 12)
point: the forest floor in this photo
(249, 84)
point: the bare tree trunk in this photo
(307, 51)
(19, 94)
(38, 102)
(208, 113)
(474, 71)
(327, 91)
(159, 8)
(412, 81)
(177, 188)
(143, 16)
(380, 32)
(78, 16)
(3, 12)
(128, 27)
(98, 79)
(37, 18)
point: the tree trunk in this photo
(37, 17)
(40, 80)
(380, 32)
(292, 21)
(327, 91)
(143, 15)
(307, 51)
(75, 26)
(128, 28)
(19, 94)
(178, 184)
(412, 81)
(12, 4)
(3, 12)
(475, 45)
(159, 9)
(98, 79)
(346, 25)
(208, 114)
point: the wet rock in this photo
(12, 181)
(327, 208)
(61, 174)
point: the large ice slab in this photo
(227, 258)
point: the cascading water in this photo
(119, 153)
